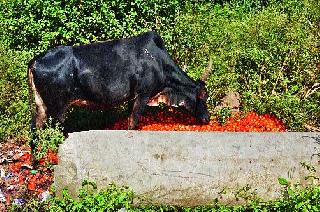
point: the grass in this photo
(113, 198)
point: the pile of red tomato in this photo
(36, 181)
(172, 119)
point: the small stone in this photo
(231, 100)
(17, 156)
(122, 210)
(44, 196)
(9, 176)
(11, 187)
(27, 166)
(2, 197)
(19, 201)
(2, 173)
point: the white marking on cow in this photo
(159, 98)
(182, 103)
(148, 53)
(162, 98)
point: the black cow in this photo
(136, 69)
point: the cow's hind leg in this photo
(56, 112)
(138, 108)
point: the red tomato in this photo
(31, 186)
(52, 157)
(174, 120)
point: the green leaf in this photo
(33, 171)
(283, 181)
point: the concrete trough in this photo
(187, 168)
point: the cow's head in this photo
(201, 110)
(193, 99)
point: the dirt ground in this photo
(20, 181)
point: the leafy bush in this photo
(223, 114)
(42, 24)
(110, 199)
(14, 110)
(269, 54)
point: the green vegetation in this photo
(114, 198)
(39, 25)
(223, 114)
(14, 107)
(268, 54)
(48, 138)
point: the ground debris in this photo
(20, 182)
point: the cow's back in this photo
(112, 70)
(100, 52)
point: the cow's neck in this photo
(181, 83)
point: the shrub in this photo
(42, 24)
(269, 54)
(14, 115)
(112, 198)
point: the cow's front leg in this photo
(138, 107)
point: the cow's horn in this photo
(207, 71)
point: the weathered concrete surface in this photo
(186, 168)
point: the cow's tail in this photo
(38, 113)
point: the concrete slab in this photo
(186, 168)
